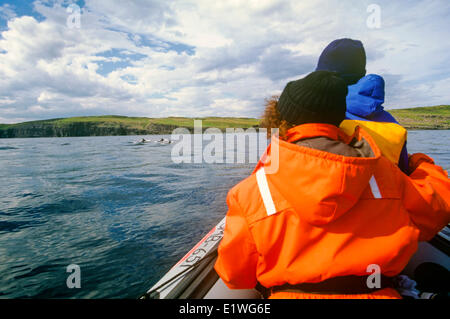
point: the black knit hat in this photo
(317, 98)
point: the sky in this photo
(194, 58)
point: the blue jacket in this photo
(364, 102)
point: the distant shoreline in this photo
(424, 118)
(420, 118)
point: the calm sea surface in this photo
(124, 213)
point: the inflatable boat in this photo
(194, 277)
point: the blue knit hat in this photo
(345, 57)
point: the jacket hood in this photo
(319, 186)
(365, 97)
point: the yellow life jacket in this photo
(390, 137)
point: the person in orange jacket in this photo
(323, 210)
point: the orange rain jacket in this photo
(319, 215)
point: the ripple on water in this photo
(124, 214)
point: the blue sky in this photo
(205, 58)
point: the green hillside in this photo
(431, 117)
(434, 117)
(116, 125)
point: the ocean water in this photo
(124, 213)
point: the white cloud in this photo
(192, 58)
(7, 12)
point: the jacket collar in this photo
(310, 130)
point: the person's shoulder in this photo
(383, 116)
(246, 195)
(243, 187)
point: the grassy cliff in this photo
(115, 125)
(435, 117)
(428, 118)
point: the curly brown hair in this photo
(271, 118)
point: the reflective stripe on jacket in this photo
(306, 215)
